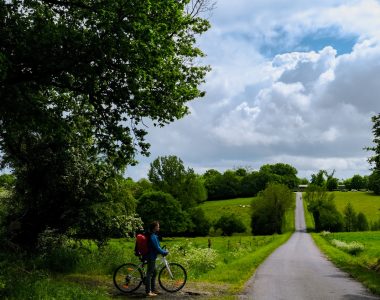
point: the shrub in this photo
(230, 224)
(352, 248)
(198, 260)
(200, 223)
(362, 222)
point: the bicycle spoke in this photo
(127, 278)
(175, 282)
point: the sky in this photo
(292, 82)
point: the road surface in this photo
(298, 271)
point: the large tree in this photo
(77, 80)
(374, 179)
(168, 174)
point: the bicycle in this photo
(128, 277)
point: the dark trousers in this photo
(151, 274)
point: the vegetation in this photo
(242, 183)
(365, 202)
(230, 223)
(364, 265)
(168, 174)
(269, 209)
(321, 204)
(374, 160)
(70, 124)
(240, 206)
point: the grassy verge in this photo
(219, 271)
(360, 266)
(309, 219)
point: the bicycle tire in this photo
(127, 278)
(176, 283)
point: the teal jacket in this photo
(155, 248)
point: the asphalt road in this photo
(299, 271)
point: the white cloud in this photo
(311, 109)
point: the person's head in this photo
(154, 226)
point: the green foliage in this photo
(168, 174)
(319, 178)
(331, 184)
(362, 222)
(74, 94)
(7, 181)
(350, 218)
(375, 159)
(374, 182)
(269, 209)
(358, 182)
(200, 223)
(230, 223)
(281, 173)
(321, 204)
(164, 208)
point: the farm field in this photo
(364, 202)
(240, 206)
(365, 265)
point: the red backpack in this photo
(141, 246)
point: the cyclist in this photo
(154, 250)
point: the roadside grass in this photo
(239, 206)
(289, 224)
(366, 202)
(360, 266)
(309, 219)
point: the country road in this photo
(299, 271)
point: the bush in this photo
(230, 224)
(352, 248)
(200, 223)
(198, 260)
(362, 223)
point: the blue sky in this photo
(293, 82)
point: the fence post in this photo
(209, 243)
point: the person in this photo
(154, 250)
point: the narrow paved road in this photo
(298, 271)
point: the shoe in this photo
(151, 294)
(156, 292)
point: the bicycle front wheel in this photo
(174, 279)
(127, 278)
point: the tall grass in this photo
(361, 266)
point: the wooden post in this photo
(209, 243)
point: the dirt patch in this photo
(192, 290)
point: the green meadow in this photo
(365, 202)
(240, 206)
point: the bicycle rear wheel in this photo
(127, 278)
(175, 282)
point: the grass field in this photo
(365, 202)
(361, 266)
(240, 206)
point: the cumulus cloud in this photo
(311, 108)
